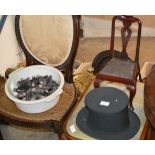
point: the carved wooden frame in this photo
(67, 66)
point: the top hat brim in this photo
(132, 129)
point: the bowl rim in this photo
(45, 99)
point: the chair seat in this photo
(8, 108)
(119, 68)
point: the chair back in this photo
(49, 39)
(126, 33)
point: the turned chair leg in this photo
(132, 90)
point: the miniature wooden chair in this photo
(51, 40)
(122, 69)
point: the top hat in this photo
(107, 116)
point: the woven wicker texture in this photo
(8, 108)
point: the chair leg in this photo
(62, 137)
(1, 137)
(97, 83)
(132, 90)
(140, 78)
(2, 122)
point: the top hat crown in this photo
(107, 116)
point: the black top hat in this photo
(107, 116)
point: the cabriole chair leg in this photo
(132, 90)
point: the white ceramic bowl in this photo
(36, 106)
